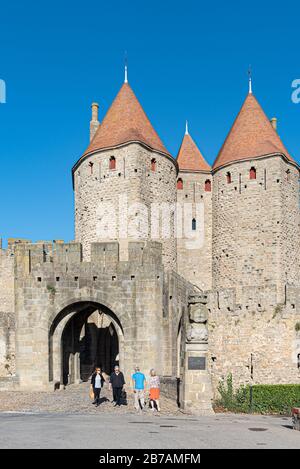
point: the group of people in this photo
(117, 386)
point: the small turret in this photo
(194, 197)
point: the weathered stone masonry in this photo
(232, 305)
(51, 280)
(127, 189)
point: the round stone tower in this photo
(125, 182)
(255, 207)
(194, 197)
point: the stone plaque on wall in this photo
(196, 363)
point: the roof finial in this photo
(126, 69)
(250, 79)
(186, 127)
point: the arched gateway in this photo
(83, 335)
(74, 314)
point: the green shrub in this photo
(266, 398)
(275, 398)
(230, 399)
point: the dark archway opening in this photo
(89, 338)
(93, 343)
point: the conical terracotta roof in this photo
(189, 157)
(251, 136)
(125, 122)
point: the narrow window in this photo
(194, 224)
(265, 179)
(91, 165)
(252, 173)
(180, 184)
(153, 165)
(288, 175)
(112, 162)
(207, 185)
(228, 178)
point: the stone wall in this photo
(194, 248)
(7, 280)
(290, 225)
(258, 332)
(97, 187)
(256, 225)
(169, 386)
(53, 284)
(7, 316)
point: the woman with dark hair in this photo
(97, 382)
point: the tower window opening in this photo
(180, 184)
(288, 175)
(207, 185)
(91, 165)
(265, 179)
(228, 178)
(153, 164)
(112, 162)
(194, 224)
(252, 173)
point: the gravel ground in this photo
(74, 399)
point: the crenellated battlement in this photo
(253, 300)
(48, 259)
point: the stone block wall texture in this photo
(260, 327)
(194, 258)
(248, 267)
(255, 235)
(7, 316)
(134, 182)
(53, 283)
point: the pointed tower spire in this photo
(251, 136)
(186, 127)
(125, 122)
(126, 69)
(189, 157)
(250, 79)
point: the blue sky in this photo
(187, 60)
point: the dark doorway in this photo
(89, 339)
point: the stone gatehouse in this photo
(176, 265)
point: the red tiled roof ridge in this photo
(251, 136)
(125, 122)
(190, 157)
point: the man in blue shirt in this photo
(138, 385)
